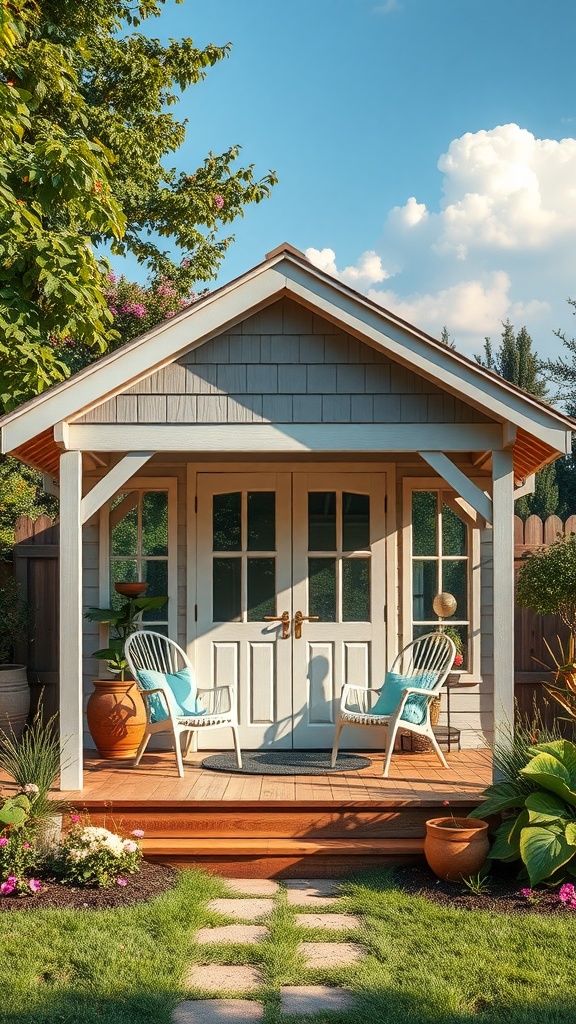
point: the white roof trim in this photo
(282, 275)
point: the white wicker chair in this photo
(432, 654)
(148, 650)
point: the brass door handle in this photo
(299, 619)
(284, 619)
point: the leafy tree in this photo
(20, 495)
(85, 127)
(562, 371)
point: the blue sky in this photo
(426, 149)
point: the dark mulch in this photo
(503, 893)
(152, 880)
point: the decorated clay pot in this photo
(116, 718)
(456, 848)
(14, 699)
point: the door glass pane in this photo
(226, 584)
(261, 588)
(424, 589)
(226, 513)
(321, 521)
(454, 581)
(156, 576)
(155, 523)
(453, 533)
(322, 588)
(124, 536)
(124, 570)
(424, 519)
(356, 589)
(261, 521)
(355, 522)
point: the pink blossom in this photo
(34, 885)
(185, 263)
(121, 881)
(112, 277)
(26, 846)
(8, 886)
(130, 846)
(138, 833)
(113, 310)
(567, 893)
(458, 660)
(169, 314)
(165, 290)
(446, 803)
(3, 841)
(74, 818)
(219, 202)
(526, 892)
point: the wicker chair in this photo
(432, 656)
(146, 650)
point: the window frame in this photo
(143, 484)
(472, 673)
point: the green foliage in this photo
(93, 856)
(546, 498)
(515, 361)
(14, 614)
(123, 622)
(547, 581)
(33, 762)
(15, 810)
(562, 371)
(18, 854)
(20, 495)
(86, 124)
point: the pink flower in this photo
(458, 660)
(8, 886)
(26, 846)
(185, 263)
(219, 202)
(526, 892)
(567, 893)
(130, 846)
(113, 310)
(112, 277)
(445, 803)
(121, 881)
(170, 313)
(74, 818)
(3, 841)
(138, 833)
(34, 885)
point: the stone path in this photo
(253, 900)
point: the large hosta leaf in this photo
(544, 850)
(570, 833)
(499, 797)
(546, 808)
(551, 773)
(516, 831)
(501, 849)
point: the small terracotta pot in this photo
(456, 848)
(131, 589)
(116, 718)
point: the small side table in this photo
(453, 682)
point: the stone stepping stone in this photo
(245, 910)
(338, 922)
(224, 978)
(244, 933)
(217, 1011)
(330, 954)
(312, 892)
(308, 999)
(252, 886)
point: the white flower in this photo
(130, 846)
(30, 789)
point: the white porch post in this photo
(71, 760)
(503, 606)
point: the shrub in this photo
(547, 581)
(18, 852)
(93, 856)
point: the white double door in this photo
(291, 595)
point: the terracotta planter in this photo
(116, 718)
(456, 848)
(14, 699)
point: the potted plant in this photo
(15, 623)
(115, 712)
(456, 848)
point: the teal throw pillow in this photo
(391, 695)
(180, 690)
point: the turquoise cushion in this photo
(391, 695)
(180, 690)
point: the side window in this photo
(139, 548)
(440, 560)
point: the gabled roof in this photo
(542, 432)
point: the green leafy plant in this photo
(93, 856)
(18, 852)
(547, 581)
(541, 830)
(14, 615)
(33, 762)
(123, 621)
(478, 884)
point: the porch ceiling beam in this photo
(285, 437)
(462, 509)
(109, 484)
(460, 482)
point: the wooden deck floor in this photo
(416, 778)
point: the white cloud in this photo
(502, 242)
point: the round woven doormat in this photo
(285, 762)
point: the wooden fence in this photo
(36, 569)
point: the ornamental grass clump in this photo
(95, 857)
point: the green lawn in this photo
(423, 964)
